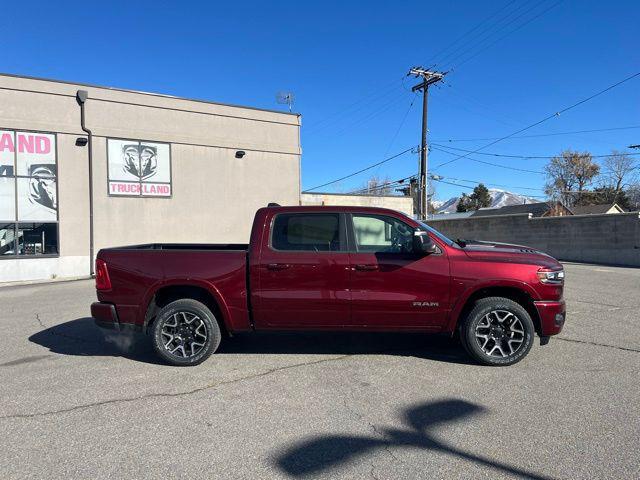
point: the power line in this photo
(509, 33)
(388, 99)
(387, 89)
(485, 183)
(385, 185)
(482, 35)
(471, 188)
(525, 156)
(549, 117)
(435, 57)
(542, 134)
(477, 160)
(361, 170)
(404, 119)
(371, 115)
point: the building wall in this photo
(214, 194)
(605, 238)
(401, 204)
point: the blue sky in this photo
(345, 62)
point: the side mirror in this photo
(423, 244)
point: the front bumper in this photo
(552, 316)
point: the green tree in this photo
(463, 204)
(479, 198)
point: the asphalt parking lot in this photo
(76, 403)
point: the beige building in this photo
(395, 202)
(163, 169)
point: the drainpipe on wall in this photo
(81, 98)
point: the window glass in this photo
(37, 199)
(380, 234)
(7, 198)
(7, 153)
(35, 154)
(7, 239)
(37, 239)
(311, 232)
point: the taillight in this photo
(103, 282)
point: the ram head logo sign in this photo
(42, 186)
(140, 160)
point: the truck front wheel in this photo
(185, 333)
(497, 332)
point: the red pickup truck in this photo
(332, 268)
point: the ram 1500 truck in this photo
(332, 268)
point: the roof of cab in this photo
(333, 208)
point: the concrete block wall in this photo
(608, 239)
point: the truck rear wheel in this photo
(497, 332)
(185, 333)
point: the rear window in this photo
(318, 232)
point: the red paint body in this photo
(257, 287)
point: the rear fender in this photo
(215, 293)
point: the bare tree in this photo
(633, 193)
(569, 173)
(377, 186)
(619, 170)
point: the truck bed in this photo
(140, 271)
(186, 246)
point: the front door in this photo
(304, 273)
(391, 286)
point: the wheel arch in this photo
(200, 291)
(518, 293)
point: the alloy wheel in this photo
(500, 333)
(184, 334)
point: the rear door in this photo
(303, 272)
(391, 285)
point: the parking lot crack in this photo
(596, 344)
(39, 320)
(170, 395)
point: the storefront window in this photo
(28, 193)
(37, 239)
(7, 239)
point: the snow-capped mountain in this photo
(499, 198)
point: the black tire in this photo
(500, 336)
(185, 339)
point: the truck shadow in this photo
(422, 428)
(81, 337)
(431, 347)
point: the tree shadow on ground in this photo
(321, 453)
(82, 337)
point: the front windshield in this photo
(441, 236)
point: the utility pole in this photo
(428, 78)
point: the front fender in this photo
(468, 290)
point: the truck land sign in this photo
(141, 169)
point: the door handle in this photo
(278, 266)
(367, 267)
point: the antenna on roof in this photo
(285, 98)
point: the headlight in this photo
(555, 277)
